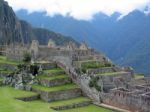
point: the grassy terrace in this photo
(53, 77)
(55, 70)
(5, 71)
(111, 74)
(55, 88)
(91, 64)
(68, 102)
(8, 103)
(4, 60)
(90, 108)
(139, 76)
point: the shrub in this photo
(27, 57)
(93, 83)
(108, 64)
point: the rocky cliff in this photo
(13, 30)
(10, 27)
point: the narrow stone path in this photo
(111, 107)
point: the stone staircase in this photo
(58, 89)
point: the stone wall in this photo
(29, 98)
(59, 95)
(71, 106)
(125, 99)
(7, 66)
(55, 82)
(82, 81)
(46, 66)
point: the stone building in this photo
(51, 52)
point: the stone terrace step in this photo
(70, 103)
(104, 70)
(113, 74)
(53, 72)
(54, 80)
(29, 98)
(54, 93)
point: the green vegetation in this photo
(26, 58)
(55, 88)
(93, 83)
(6, 71)
(139, 76)
(4, 60)
(54, 70)
(1, 79)
(53, 77)
(90, 108)
(111, 74)
(8, 103)
(69, 101)
(93, 65)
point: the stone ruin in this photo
(119, 88)
(52, 52)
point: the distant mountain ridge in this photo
(13, 30)
(125, 41)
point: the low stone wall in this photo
(4, 75)
(59, 95)
(46, 66)
(29, 98)
(49, 83)
(71, 106)
(7, 66)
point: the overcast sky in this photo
(79, 9)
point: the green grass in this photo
(1, 79)
(5, 71)
(55, 88)
(4, 60)
(69, 102)
(111, 74)
(55, 70)
(8, 103)
(53, 77)
(90, 108)
(92, 64)
(139, 76)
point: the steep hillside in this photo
(125, 41)
(13, 30)
(10, 27)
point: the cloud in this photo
(79, 9)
